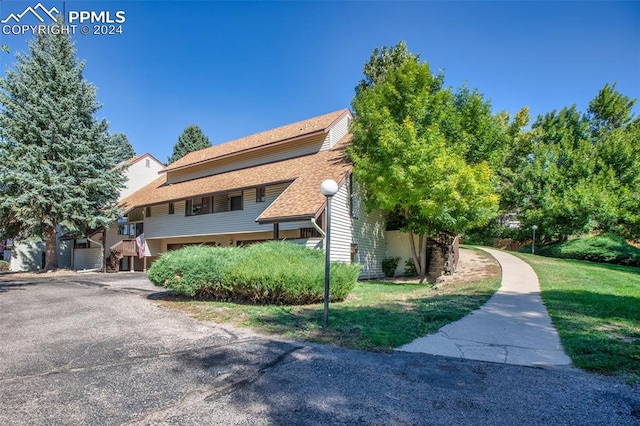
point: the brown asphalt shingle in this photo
(274, 136)
(301, 199)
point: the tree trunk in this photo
(422, 273)
(51, 259)
(420, 255)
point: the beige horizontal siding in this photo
(369, 235)
(336, 133)
(88, 258)
(265, 155)
(163, 225)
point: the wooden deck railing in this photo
(119, 250)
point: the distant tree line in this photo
(438, 159)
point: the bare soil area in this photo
(473, 265)
(41, 274)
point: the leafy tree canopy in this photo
(578, 172)
(192, 139)
(424, 150)
(54, 168)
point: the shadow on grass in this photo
(601, 332)
(383, 327)
(608, 307)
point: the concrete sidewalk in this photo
(513, 327)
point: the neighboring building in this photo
(261, 187)
(84, 253)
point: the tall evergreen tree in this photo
(119, 147)
(192, 139)
(54, 168)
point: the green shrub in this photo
(606, 248)
(410, 268)
(272, 272)
(389, 266)
(4, 266)
(193, 269)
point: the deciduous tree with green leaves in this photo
(420, 149)
(192, 139)
(578, 172)
(55, 169)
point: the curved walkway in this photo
(513, 327)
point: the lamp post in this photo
(533, 241)
(329, 188)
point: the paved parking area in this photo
(97, 349)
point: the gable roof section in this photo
(131, 161)
(302, 199)
(316, 125)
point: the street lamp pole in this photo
(329, 188)
(533, 241)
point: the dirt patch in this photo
(40, 274)
(472, 266)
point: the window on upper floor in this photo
(197, 206)
(148, 163)
(147, 212)
(261, 194)
(136, 215)
(172, 208)
(235, 202)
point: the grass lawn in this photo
(376, 315)
(596, 310)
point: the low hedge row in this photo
(274, 272)
(4, 266)
(606, 248)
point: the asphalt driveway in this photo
(97, 349)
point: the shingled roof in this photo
(315, 125)
(301, 199)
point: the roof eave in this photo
(293, 218)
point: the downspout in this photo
(102, 261)
(315, 225)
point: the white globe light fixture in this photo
(328, 188)
(533, 240)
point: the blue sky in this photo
(236, 68)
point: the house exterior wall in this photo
(337, 132)
(87, 258)
(267, 155)
(27, 256)
(163, 225)
(65, 249)
(365, 231)
(369, 236)
(140, 174)
(341, 238)
(398, 245)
